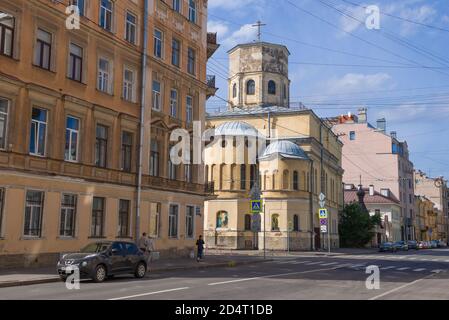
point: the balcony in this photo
(212, 44)
(211, 87)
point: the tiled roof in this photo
(351, 196)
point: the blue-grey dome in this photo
(286, 149)
(236, 128)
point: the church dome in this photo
(286, 149)
(236, 128)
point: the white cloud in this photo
(354, 82)
(349, 24)
(247, 33)
(220, 28)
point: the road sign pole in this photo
(329, 235)
(264, 233)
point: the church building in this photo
(261, 148)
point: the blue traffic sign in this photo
(256, 206)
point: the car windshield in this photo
(95, 247)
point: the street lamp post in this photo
(264, 233)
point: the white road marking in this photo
(403, 269)
(436, 271)
(298, 262)
(398, 288)
(313, 263)
(150, 293)
(419, 270)
(328, 264)
(269, 276)
(387, 268)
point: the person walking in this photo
(144, 242)
(200, 246)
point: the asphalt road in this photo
(403, 275)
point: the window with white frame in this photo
(101, 146)
(191, 61)
(174, 103)
(158, 43)
(106, 14)
(103, 75)
(156, 95)
(4, 109)
(68, 215)
(177, 5)
(75, 70)
(7, 29)
(42, 50)
(189, 109)
(155, 219)
(190, 222)
(71, 139)
(81, 6)
(38, 133)
(128, 84)
(188, 175)
(192, 11)
(123, 218)
(172, 168)
(173, 217)
(176, 53)
(33, 213)
(131, 28)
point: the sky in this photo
(337, 65)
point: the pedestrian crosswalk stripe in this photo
(387, 268)
(419, 270)
(403, 269)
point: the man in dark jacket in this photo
(200, 246)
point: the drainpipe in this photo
(142, 117)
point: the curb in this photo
(167, 269)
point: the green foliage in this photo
(357, 226)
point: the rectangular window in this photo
(177, 5)
(71, 139)
(75, 71)
(173, 103)
(103, 75)
(38, 134)
(4, 109)
(190, 221)
(97, 217)
(81, 6)
(2, 204)
(33, 214)
(7, 25)
(192, 11)
(101, 146)
(191, 62)
(352, 135)
(242, 177)
(172, 169)
(189, 109)
(106, 15)
(154, 159)
(173, 216)
(188, 176)
(42, 51)
(128, 84)
(156, 96)
(158, 43)
(155, 219)
(123, 218)
(131, 27)
(68, 215)
(176, 49)
(127, 145)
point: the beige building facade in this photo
(70, 118)
(264, 149)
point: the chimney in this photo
(371, 190)
(382, 125)
(394, 134)
(363, 116)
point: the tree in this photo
(357, 226)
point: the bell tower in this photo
(258, 75)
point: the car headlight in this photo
(84, 263)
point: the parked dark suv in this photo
(100, 260)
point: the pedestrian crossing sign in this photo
(322, 213)
(256, 206)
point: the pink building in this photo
(377, 158)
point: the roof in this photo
(236, 128)
(284, 148)
(236, 112)
(262, 43)
(377, 198)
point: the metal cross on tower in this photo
(259, 26)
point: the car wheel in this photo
(100, 273)
(141, 270)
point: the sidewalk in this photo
(29, 276)
(271, 253)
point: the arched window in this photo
(222, 219)
(295, 223)
(285, 183)
(234, 90)
(251, 87)
(275, 222)
(247, 222)
(295, 180)
(271, 87)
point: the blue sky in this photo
(412, 93)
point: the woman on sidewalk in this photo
(200, 246)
